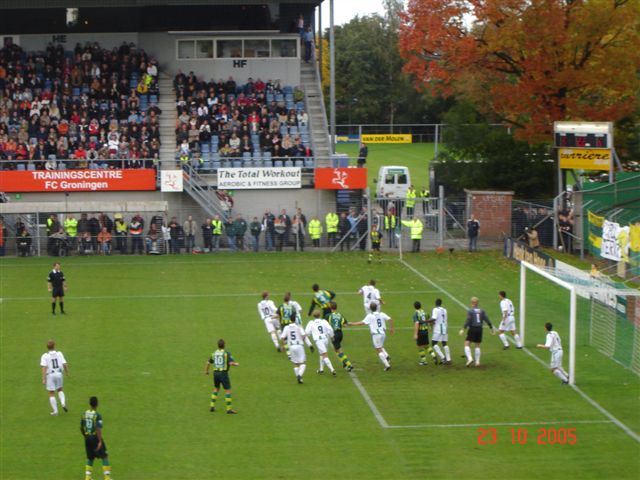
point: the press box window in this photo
(229, 48)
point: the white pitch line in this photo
(376, 413)
(568, 423)
(595, 404)
(197, 295)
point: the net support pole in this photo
(523, 299)
(572, 336)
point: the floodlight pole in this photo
(523, 299)
(332, 80)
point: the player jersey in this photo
(53, 361)
(553, 341)
(377, 322)
(298, 309)
(420, 318)
(293, 334)
(56, 279)
(475, 317)
(322, 299)
(439, 314)
(220, 360)
(90, 422)
(506, 307)
(319, 329)
(287, 313)
(337, 321)
(370, 294)
(266, 309)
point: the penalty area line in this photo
(586, 397)
(372, 406)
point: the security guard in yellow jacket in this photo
(424, 195)
(411, 200)
(332, 221)
(390, 222)
(416, 228)
(216, 232)
(71, 229)
(315, 231)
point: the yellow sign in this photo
(585, 158)
(387, 138)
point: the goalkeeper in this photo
(475, 317)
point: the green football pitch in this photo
(139, 330)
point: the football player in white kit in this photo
(508, 323)
(53, 364)
(269, 315)
(370, 294)
(440, 333)
(554, 345)
(321, 332)
(377, 323)
(298, 310)
(294, 336)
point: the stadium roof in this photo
(21, 4)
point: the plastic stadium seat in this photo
(308, 162)
(270, 97)
(237, 163)
(31, 166)
(75, 92)
(215, 156)
(279, 97)
(205, 147)
(20, 167)
(257, 156)
(288, 163)
(153, 98)
(277, 163)
(287, 89)
(246, 156)
(303, 129)
(284, 130)
(298, 163)
(215, 164)
(293, 130)
(267, 156)
(300, 106)
(214, 140)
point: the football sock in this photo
(228, 401)
(423, 355)
(447, 353)
(327, 362)
(477, 354)
(503, 339)
(302, 368)
(106, 470)
(385, 352)
(307, 341)
(62, 307)
(383, 358)
(560, 375)
(274, 339)
(54, 404)
(321, 364)
(564, 372)
(88, 470)
(62, 398)
(53, 307)
(439, 351)
(296, 370)
(344, 359)
(431, 352)
(286, 348)
(214, 397)
(467, 352)
(516, 337)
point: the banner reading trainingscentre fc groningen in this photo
(259, 178)
(78, 180)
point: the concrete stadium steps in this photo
(318, 126)
(168, 120)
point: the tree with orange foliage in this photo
(528, 62)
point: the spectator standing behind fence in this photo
(207, 235)
(532, 237)
(24, 243)
(565, 226)
(240, 228)
(363, 229)
(390, 223)
(104, 241)
(216, 232)
(136, 229)
(174, 228)
(3, 237)
(255, 227)
(285, 221)
(230, 231)
(473, 229)
(190, 228)
(344, 226)
(362, 154)
(152, 239)
(121, 233)
(315, 231)
(332, 220)
(297, 227)
(53, 226)
(268, 225)
(83, 225)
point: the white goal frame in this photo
(524, 266)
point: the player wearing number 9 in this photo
(377, 323)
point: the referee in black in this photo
(475, 317)
(57, 287)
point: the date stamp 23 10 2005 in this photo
(520, 436)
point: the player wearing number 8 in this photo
(221, 361)
(377, 323)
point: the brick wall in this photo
(493, 210)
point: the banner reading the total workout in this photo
(259, 178)
(77, 180)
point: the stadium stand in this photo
(258, 124)
(86, 108)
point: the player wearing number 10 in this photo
(221, 361)
(377, 323)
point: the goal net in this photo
(594, 316)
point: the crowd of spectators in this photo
(223, 124)
(86, 108)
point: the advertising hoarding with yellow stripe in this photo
(387, 138)
(585, 158)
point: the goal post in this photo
(573, 309)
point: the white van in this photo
(393, 182)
